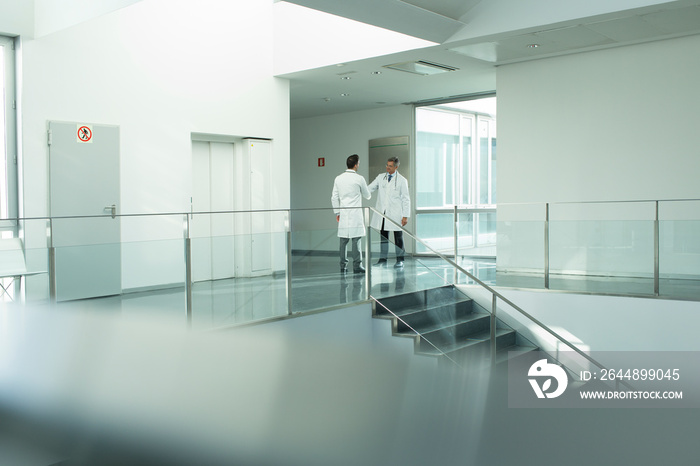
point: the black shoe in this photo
(343, 270)
(398, 265)
(381, 262)
(359, 269)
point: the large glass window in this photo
(8, 152)
(456, 166)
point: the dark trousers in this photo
(384, 245)
(356, 254)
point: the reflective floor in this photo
(316, 283)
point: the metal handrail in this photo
(460, 208)
(625, 201)
(496, 294)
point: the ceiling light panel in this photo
(421, 67)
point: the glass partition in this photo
(238, 267)
(316, 278)
(679, 249)
(476, 233)
(613, 251)
(417, 273)
(437, 231)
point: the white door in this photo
(259, 155)
(212, 191)
(84, 182)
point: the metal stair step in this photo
(404, 311)
(421, 299)
(447, 349)
(479, 339)
(436, 326)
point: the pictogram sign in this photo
(84, 133)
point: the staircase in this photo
(447, 324)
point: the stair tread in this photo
(469, 340)
(409, 293)
(407, 310)
(445, 325)
(448, 348)
(448, 291)
(486, 334)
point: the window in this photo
(456, 166)
(8, 154)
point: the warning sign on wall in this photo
(85, 133)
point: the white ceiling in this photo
(319, 91)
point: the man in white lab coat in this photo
(394, 202)
(348, 190)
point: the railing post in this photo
(656, 250)
(546, 247)
(493, 330)
(188, 270)
(52, 264)
(455, 232)
(289, 264)
(368, 255)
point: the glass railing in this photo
(316, 278)
(635, 248)
(460, 231)
(225, 268)
(214, 269)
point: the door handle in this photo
(112, 209)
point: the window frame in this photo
(9, 210)
(461, 190)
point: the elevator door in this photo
(213, 191)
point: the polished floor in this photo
(316, 283)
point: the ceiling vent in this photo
(421, 67)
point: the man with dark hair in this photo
(394, 202)
(348, 190)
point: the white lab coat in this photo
(393, 200)
(348, 190)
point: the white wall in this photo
(54, 15)
(617, 124)
(333, 137)
(17, 18)
(160, 70)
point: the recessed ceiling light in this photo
(532, 46)
(346, 77)
(376, 72)
(344, 94)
